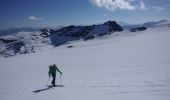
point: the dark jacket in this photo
(53, 69)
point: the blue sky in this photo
(35, 13)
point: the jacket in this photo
(53, 69)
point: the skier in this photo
(52, 72)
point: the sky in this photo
(39, 13)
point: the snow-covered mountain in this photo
(153, 23)
(16, 30)
(22, 42)
(72, 32)
(145, 24)
(121, 66)
(26, 42)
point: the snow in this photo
(32, 41)
(122, 66)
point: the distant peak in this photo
(109, 22)
(163, 21)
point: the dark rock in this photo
(138, 29)
(17, 46)
(89, 37)
(46, 32)
(7, 40)
(70, 46)
(113, 26)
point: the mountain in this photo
(145, 24)
(16, 30)
(128, 66)
(22, 42)
(150, 24)
(28, 42)
(126, 25)
(72, 32)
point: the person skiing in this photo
(52, 72)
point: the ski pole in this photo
(60, 79)
(47, 81)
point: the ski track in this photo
(133, 67)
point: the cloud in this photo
(113, 5)
(125, 5)
(35, 18)
(142, 5)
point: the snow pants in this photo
(53, 81)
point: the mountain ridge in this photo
(29, 42)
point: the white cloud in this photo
(142, 5)
(34, 18)
(113, 5)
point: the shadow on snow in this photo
(47, 88)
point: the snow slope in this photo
(128, 66)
